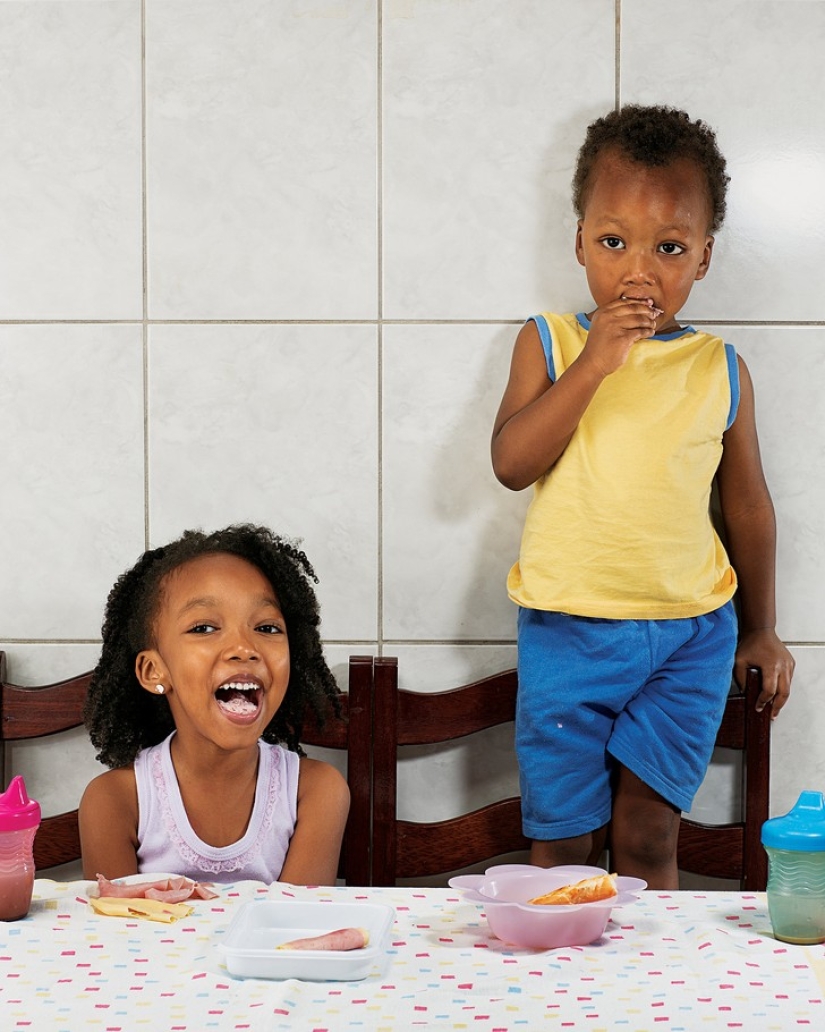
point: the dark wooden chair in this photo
(352, 732)
(37, 712)
(735, 850)
(405, 849)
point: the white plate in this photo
(250, 942)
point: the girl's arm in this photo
(108, 825)
(750, 528)
(315, 846)
(537, 417)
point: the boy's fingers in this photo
(774, 694)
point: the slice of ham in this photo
(166, 890)
(340, 939)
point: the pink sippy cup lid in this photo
(17, 811)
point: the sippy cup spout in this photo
(17, 810)
(15, 797)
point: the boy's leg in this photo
(583, 849)
(644, 833)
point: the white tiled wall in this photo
(266, 260)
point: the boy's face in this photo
(645, 233)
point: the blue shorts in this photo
(648, 694)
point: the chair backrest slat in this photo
(406, 849)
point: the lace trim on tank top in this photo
(192, 856)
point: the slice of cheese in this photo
(151, 909)
(589, 890)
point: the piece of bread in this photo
(603, 886)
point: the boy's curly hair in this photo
(654, 136)
(122, 718)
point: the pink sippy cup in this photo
(19, 821)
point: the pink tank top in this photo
(167, 843)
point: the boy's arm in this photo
(323, 806)
(750, 528)
(537, 417)
(108, 825)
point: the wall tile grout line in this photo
(379, 199)
(145, 273)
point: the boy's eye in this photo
(201, 628)
(613, 243)
(671, 248)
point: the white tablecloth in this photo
(679, 962)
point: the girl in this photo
(211, 654)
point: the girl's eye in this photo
(613, 243)
(270, 628)
(202, 628)
(670, 248)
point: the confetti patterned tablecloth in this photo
(678, 962)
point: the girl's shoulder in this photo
(320, 777)
(116, 786)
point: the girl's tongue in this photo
(240, 700)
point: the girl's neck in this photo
(217, 789)
(201, 760)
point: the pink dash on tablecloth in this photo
(67, 953)
(465, 985)
(278, 1010)
(480, 946)
(445, 938)
(399, 943)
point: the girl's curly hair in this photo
(654, 136)
(122, 718)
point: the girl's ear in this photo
(579, 247)
(151, 671)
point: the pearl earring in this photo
(159, 689)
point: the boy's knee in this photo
(649, 840)
(581, 849)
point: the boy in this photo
(622, 418)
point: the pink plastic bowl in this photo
(505, 889)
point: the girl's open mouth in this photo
(239, 699)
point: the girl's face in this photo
(221, 650)
(645, 233)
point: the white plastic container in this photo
(251, 941)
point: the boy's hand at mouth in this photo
(615, 328)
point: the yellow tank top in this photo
(620, 526)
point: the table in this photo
(671, 962)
